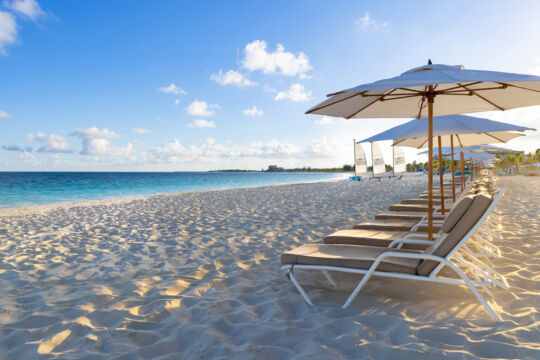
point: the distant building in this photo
(274, 168)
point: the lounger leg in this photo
(475, 291)
(357, 289)
(329, 278)
(300, 289)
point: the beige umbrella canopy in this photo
(433, 90)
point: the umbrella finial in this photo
(429, 62)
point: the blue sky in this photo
(177, 85)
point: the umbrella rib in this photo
(371, 103)
(483, 98)
(457, 87)
(422, 145)
(460, 143)
(421, 106)
(496, 138)
(340, 100)
(520, 87)
(398, 96)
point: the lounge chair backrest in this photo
(442, 246)
(458, 210)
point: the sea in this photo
(19, 189)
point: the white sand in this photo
(197, 275)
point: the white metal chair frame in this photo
(483, 275)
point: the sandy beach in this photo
(196, 275)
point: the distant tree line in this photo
(512, 162)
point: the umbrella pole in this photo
(453, 172)
(430, 99)
(441, 175)
(462, 164)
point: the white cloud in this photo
(8, 31)
(232, 77)
(257, 58)
(172, 89)
(253, 112)
(201, 123)
(141, 131)
(11, 147)
(27, 8)
(201, 108)
(296, 93)
(325, 120)
(174, 152)
(52, 143)
(366, 22)
(4, 115)
(176, 102)
(98, 142)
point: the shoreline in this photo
(21, 210)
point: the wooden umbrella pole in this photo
(462, 163)
(430, 99)
(453, 171)
(441, 174)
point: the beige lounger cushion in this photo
(348, 256)
(442, 246)
(373, 238)
(458, 210)
(396, 225)
(364, 237)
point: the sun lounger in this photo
(404, 263)
(403, 215)
(368, 234)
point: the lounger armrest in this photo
(418, 234)
(407, 255)
(405, 241)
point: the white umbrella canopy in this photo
(433, 90)
(467, 131)
(457, 91)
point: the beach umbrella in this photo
(466, 130)
(477, 148)
(433, 90)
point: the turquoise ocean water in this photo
(19, 189)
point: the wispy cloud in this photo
(201, 108)
(367, 22)
(201, 123)
(296, 93)
(4, 115)
(11, 147)
(52, 143)
(29, 9)
(233, 78)
(325, 120)
(257, 58)
(253, 112)
(141, 131)
(8, 31)
(172, 89)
